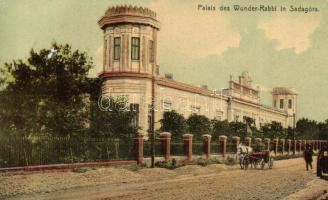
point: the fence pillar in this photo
(267, 143)
(138, 148)
(187, 143)
(235, 143)
(282, 146)
(304, 145)
(248, 141)
(207, 145)
(300, 146)
(294, 147)
(223, 145)
(289, 144)
(165, 138)
(275, 146)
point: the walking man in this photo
(308, 153)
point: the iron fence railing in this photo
(230, 148)
(23, 151)
(214, 148)
(197, 148)
(177, 149)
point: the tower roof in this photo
(128, 14)
(283, 90)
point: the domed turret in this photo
(130, 40)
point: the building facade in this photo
(130, 69)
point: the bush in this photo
(230, 161)
(133, 167)
(204, 162)
(136, 167)
(172, 164)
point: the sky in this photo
(286, 49)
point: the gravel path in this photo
(287, 180)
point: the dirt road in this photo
(288, 179)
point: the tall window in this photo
(135, 119)
(135, 49)
(167, 106)
(290, 105)
(151, 51)
(195, 109)
(117, 48)
(281, 104)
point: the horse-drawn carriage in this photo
(254, 159)
(322, 162)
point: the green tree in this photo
(220, 128)
(273, 130)
(198, 125)
(174, 123)
(290, 133)
(251, 130)
(323, 128)
(113, 119)
(46, 93)
(238, 129)
(307, 129)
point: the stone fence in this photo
(277, 146)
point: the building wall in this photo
(136, 91)
(185, 102)
(133, 78)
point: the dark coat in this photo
(308, 153)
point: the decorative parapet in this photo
(128, 14)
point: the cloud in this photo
(290, 32)
(185, 30)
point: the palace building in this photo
(130, 69)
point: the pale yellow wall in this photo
(126, 32)
(137, 91)
(259, 113)
(184, 102)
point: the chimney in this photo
(169, 76)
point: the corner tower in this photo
(130, 58)
(130, 40)
(285, 99)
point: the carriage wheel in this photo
(256, 163)
(241, 162)
(270, 163)
(262, 163)
(245, 163)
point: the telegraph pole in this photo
(152, 121)
(294, 124)
(294, 127)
